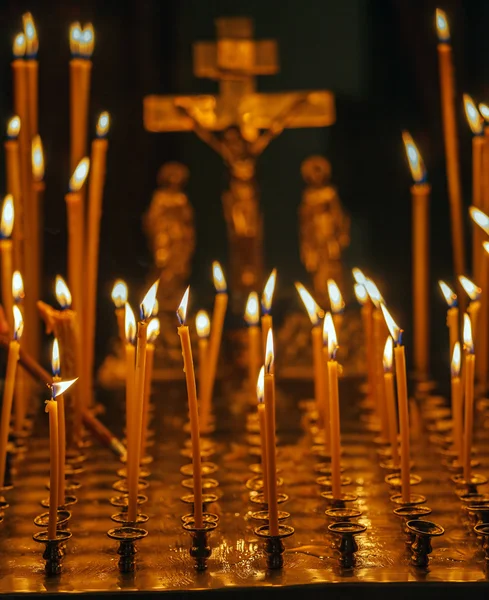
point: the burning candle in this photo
(402, 402)
(452, 313)
(13, 184)
(152, 334)
(390, 399)
(119, 298)
(193, 409)
(252, 318)
(474, 293)
(336, 302)
(266, 307)
(469, 370)
(8, 390)
(483, 339)
(130, 352)
(447, 88)
(457, 402)
(326, 410)
(315, 313)
(32, 68)
(420, 198)
(220, 306)
(484, 111)
(21, 391)
(262, 420)
(363, 299)
(55, 366)
(82, 42)
(33, 262)
(6, 227)
(269, 392)
(203, 327)
(334, 407)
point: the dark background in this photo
(378, 57)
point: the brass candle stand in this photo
(127, 537)
(53, 552)
(421, 547)
(348, 546)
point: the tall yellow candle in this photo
(13, 185)
(266, 306)
(403, 404)
(420, 199)
(483, 340)
(252, 318)
(21, 383)
(203, 327)
(473, 291)
(32, 68)
(336, 302)
(119, 298)
(367, 323)
(269, 393)
(262, 420)
(326, 415)
(218, 315)
(55, 366)
(469, 396)
(6, 227)
(130, 354)
(8, 390)
(452, 313)
(390, 398)
(193, 409)
(447, 88)
(334, 402)
(152, 333)
(457, 402)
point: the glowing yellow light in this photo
(335, 297)
(314, 311)
(182, 309)
(148, 303)
(60, 387)
(416, 164)
(472, 290)
(80, 174)
(374, 293)
(474, 118)
(75, 37)
(103, 124)
(203, 324)
(37, 159)
(18, 323)
(129, 324)
(329, 336)
(468, 340)
(484, 111)
(153, 330)
(442, 26)
(218, 276)
(63, 294)
(19, 45)
(361, 293)
(87, 41)
(358, 276)
(13, 127)
(252, 312)
(260, 385)
(480, 218)
(269, 354)
(394, 329)
(119, 293)
(7, 220)
(388, 354)
(485, 245)
(32, 42)
(17, 286)
(456, 360)
(267, 296)
(55, 365)
(449, 295)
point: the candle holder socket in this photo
(414, 500)
(53, 552)
(394, 480)
(410, 513)
(123, 501)
(421, 547)
(263, 515)
(324, 468)
(482, 530)
(480, 513)
(472, 485)
(348, 545)
(274, 546)
(338, 515)
(341, 502)
(259, 498)
(208, 483)
(69, 501)
(327, 482)
(207, 468)
(206, 500)
(144, 472)
(123, 486)
(127, 538)
(255, 484)
(200, 550)
(62, 518)
(121, 519)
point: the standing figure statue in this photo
(324, 227)
(169, 227)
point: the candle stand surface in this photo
(233, 552)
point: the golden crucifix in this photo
(238, 124)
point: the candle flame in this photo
(63, 294)
(267, 296)
(18, 323)
(37, 153)
(329, 335)
(484, 111)
(119, 293)
(480, 218)
(182, 309)
(260, 386)
(472, 290)
(60, 387)
(269, 353)
(148, 304)
(17, 286)
(394, 329)
(19, 45)
(468, 340)
(314, 311)
(388, 353)
(13, 127)
(374, 293)
(416, 164)
(79, 175)
(485, 245)
(7, 220)
(252, 312)
(361, 293)
(32, 41)
(203, 324)
(474, 118)
(153, 330)
(456, 360)
(75, 37)
(358, 276)
(219, 279)
(449, 295)
(442, 26)
(86, 41)
(103, 124)
(129, 324)
(55, 365)
(335, 297)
